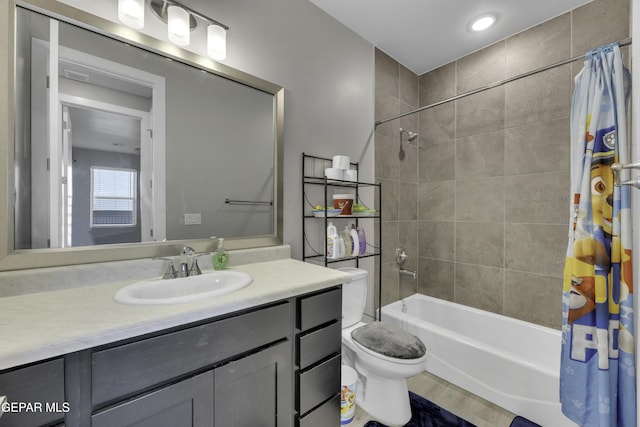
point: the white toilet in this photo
(383, 356)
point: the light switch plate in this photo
(192, 219)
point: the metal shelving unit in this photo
(313, 176)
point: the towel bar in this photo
(246, 202)
(619, 167)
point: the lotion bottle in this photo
(220, 256)
(340, 246)
(346, 236)
(355, 242)
(362, 239)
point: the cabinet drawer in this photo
(317, 309)
(41, 384)
(326, 415)
(134, 367)
(317, 345)
(318, 384)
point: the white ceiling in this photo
(104, 131)
(425, 34)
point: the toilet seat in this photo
(389, 343)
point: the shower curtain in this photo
(597, 377)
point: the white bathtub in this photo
(511, 363)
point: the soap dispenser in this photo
(220, 256)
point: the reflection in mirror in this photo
(116, 144)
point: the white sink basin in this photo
(181, 290)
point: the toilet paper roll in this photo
(350, 175)
(341, 162)
(333, 173)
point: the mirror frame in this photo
(11, 259)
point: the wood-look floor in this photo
(452, 398)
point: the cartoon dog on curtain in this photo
(593, 251)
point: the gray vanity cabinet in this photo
(318, 358)
(121, 371)
(252, 391)
(229, 372)
(277, 365)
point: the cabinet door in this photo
(188, 403)
(257, 390)
(41, 388)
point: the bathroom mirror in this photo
(127, 147)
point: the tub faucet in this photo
(408, 273)
(401, 257)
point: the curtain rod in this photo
(622, 43)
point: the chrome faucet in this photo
(401, 257)
(187, 256)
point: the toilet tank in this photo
(354, 295)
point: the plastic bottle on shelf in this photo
(355, 242)
(332, 237)
(346, 236)
(340, 249)
(362, 239)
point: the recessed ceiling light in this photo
(483, 22)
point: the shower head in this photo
(410, 135)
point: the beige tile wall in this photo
(479, 201)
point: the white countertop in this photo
(42, 325)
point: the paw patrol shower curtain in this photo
(597, 378)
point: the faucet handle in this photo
(170, 273)
(195, 268)
(401, 256)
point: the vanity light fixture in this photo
(216, 42)
(180, 20)
(483, 22)
(131, 13)
(178, 29)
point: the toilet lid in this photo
(389, 341)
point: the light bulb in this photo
(131, 13)
(178, 25)
(216, 42)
